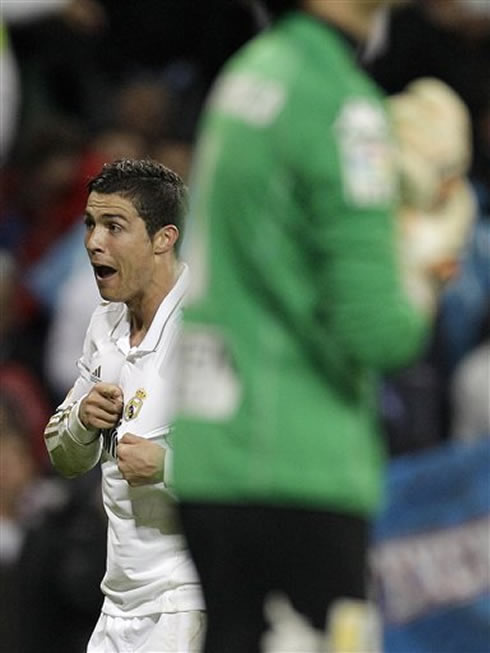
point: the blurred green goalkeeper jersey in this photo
(296, 298)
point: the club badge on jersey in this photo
(366, 154)
(131, 411)
(134, 405)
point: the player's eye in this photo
(89, 223)
(114, 227)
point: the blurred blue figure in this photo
(430, 551)
(465, 304)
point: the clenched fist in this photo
(102, 407)
(140, 461)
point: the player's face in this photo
(119, 248)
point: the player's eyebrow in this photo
(111, 216)
(105, 216)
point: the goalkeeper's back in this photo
(297, 296)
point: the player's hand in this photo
(102, 407)
(140, 461)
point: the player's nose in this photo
(94, 240)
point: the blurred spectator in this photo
(62, 564)
(113, 142)
(410, 408)
(464, 339)
(78, 51)
(69, 282)
(464, 305)
(150, 34)
(52, 549)
(444, 39)
(17, 469)
(45, 199)
(28, 399)
(462, 328)
(20, 386)
(54, 43)
(17, 472)
(7, 291)
(42, 199)
(24, 495)
(175, 154)
(46, 188)
(84, 15)
(429, 551)
(470, 390)
(144, 106)
(9, 93)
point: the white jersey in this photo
(149, 569)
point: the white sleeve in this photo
(74, 449)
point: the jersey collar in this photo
(170, 304)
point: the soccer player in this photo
(296, 300)
(121, 403)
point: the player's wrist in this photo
(78, 430)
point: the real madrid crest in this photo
(133, 407)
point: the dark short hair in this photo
(157, 193)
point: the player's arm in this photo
(380, 271)
(353, 205)
(72, 435)
(72, 447)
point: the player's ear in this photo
(165, 238)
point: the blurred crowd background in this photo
(88, 81)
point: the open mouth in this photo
(104, 271)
